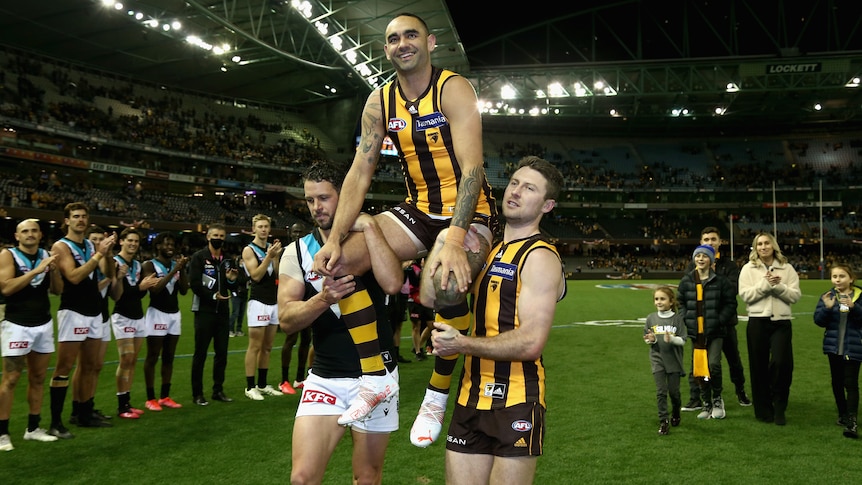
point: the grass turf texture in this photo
(601, 423)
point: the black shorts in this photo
(420, 312)
(426, 228)
(518, 430)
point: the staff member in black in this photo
(213, 282)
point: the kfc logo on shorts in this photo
(82, 330)
(263, 318)
(522, 426)
(317, 396)
(19, 345)
(160, 326)
(396, 124)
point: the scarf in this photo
(701, 363)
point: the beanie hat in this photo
(704, 249)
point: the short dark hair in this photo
(325, 171)
(94, 229)
(413, 15)
(162, 237)
(552, 175)
(130, 230)
(216, 225)
(707, 230)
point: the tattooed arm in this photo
(356, 184)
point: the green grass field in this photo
(601, 423)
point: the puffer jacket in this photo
(719, 303)
(830, 319)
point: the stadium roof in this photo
(653, 57)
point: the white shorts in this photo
(125, 327)
(17, 340)
(105, 331)
(260, 315)
(160, 323)
(74, 327)
(331, 397)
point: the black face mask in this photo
(216, 243)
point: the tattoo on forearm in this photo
(371, 140)
(468, 196)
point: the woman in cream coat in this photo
(768, 285)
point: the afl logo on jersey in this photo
(397, 124)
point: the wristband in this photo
(456, 235)
(98, 257)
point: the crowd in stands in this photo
(203, 141)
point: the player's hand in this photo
(122, 270)
(336, 289)
(274, 249)
(45, 265)
(107, 243)
(148, 282)
(444, 338)
(181, 262)
(471, 240)
(326, 259)
(452, 258)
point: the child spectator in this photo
(665, 332)
(839, 314)
(708, 303)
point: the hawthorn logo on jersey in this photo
(503, 270)
(317, 396)
(263, 318)
(81, 330)
(160, 326)
(396, 124)
(495, 390)
(19, 345)
(522, 425)
(429, 122)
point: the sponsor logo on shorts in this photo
(263, 318)
(457, 441)
(129, 329)
(160, 326)
(81, 330)
(521, 443)
(317, 396)
(19, 345)
(495, 390)
(522, 425)
(406, 215)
